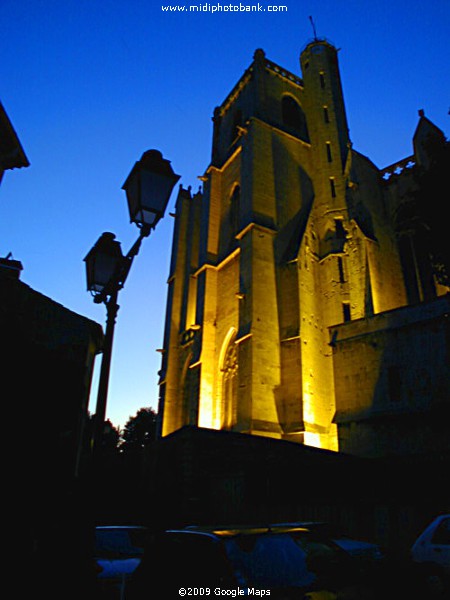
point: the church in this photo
(305, 301)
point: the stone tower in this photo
(289, 237)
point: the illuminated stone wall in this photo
(392, 377)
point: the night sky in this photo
(89, 86)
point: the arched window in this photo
(229, 371)
(294, 118)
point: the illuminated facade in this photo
(293, 237)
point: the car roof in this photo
(233, 530)
(120, 527)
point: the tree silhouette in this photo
(139, 432)
(120, 490)
(110, 438)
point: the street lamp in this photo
(148, 188)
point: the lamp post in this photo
(148, 188)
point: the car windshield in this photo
(119, 542)
(280, 559)
(441, 536)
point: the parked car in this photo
(118, 552)
(284, 562)
(356, 547)
(431, 551)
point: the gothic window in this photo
(346, 311)
(229, 385)
(294, 117)
(326, 115)
(332, 187)
(341, 234)
(235, 202)
(341, 270)
(328, 147)
(322, 80)
(413, 243)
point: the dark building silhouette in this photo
(48, 354)
(12, 155)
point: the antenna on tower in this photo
(314, 28)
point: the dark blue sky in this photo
(90, 85)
